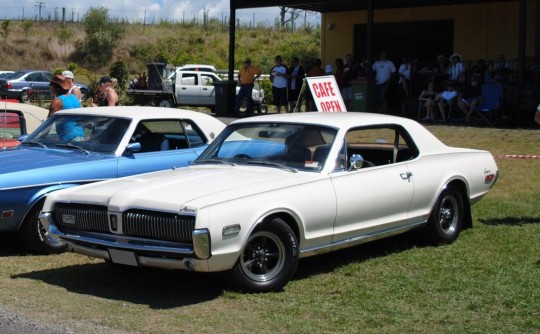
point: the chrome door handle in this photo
(406, 176)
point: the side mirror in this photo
(356, 162)
(133, 147)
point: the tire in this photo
(263, 109)
(24, 97)
(35, 238)
(164, 103)
(268, 260)
(446, 219)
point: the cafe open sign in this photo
(326, 94)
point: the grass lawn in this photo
(488, 281)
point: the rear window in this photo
(10, 125)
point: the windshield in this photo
(288, 145)
(92, 133)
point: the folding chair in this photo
(492, 95)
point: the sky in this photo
(149, 11)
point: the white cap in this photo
(329, 69)
(68, 74)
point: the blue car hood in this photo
(28, 166)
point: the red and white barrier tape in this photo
(518, 156)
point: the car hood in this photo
(27, 166)
(190, 187)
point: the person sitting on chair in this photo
(470, 98)
(446, 99)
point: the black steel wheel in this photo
(268, 260)
(446, 219)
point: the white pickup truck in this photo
(189, 85)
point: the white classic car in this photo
(272, 189)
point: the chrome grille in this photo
(158, 225)
(86, 217)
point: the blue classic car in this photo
(80, 146)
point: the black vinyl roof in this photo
(326, 6)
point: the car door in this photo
(188, 90)
(372, 199)
(178, 151)
(208, 91)
(39, 82)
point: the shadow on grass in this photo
(329, 262)
(165, 289)
(10, 245)
(157, 288)
(510, 221)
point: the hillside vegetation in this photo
(51, 46)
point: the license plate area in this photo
(123, 257)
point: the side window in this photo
(379, 145)
(194, 135)
(207, 80)
(189, 79)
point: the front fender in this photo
(20, 201)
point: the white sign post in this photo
(326, 94)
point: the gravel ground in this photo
(13, 324)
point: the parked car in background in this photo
(79, 146)
(4, 73)
(17, 119)
(275, 188)
(29, 84)
(188, 85)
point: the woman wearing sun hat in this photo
(61, 99)
(67, 127)
(456, 70)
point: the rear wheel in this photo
(446, 220)
(165, 103)
(268, 260)
(24, 97)
(35, 238)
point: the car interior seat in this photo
(151, 142)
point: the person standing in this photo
(67, 128)
(62, 99)
(384, 72)
(296, 79)
(456, 70)
(403, 84)
(110, 97)
(314, 71)
(537, 115)
(72, 88)
(246, 78)
(278, 76)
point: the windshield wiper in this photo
(33, 143)
(272, 164)
(214, 162)
(70, 145)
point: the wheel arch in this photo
(463, 189)
(288, 219)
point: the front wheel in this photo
(35, 238)
(268, 260)
(446, 220)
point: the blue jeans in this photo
(246, 91)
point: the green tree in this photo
(119, 70)
(102, 35)
(27, 26)
(5, 30)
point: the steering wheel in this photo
(242, 156)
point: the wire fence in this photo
(39, 12)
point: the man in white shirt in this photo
(279, 75)
(384, 72)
